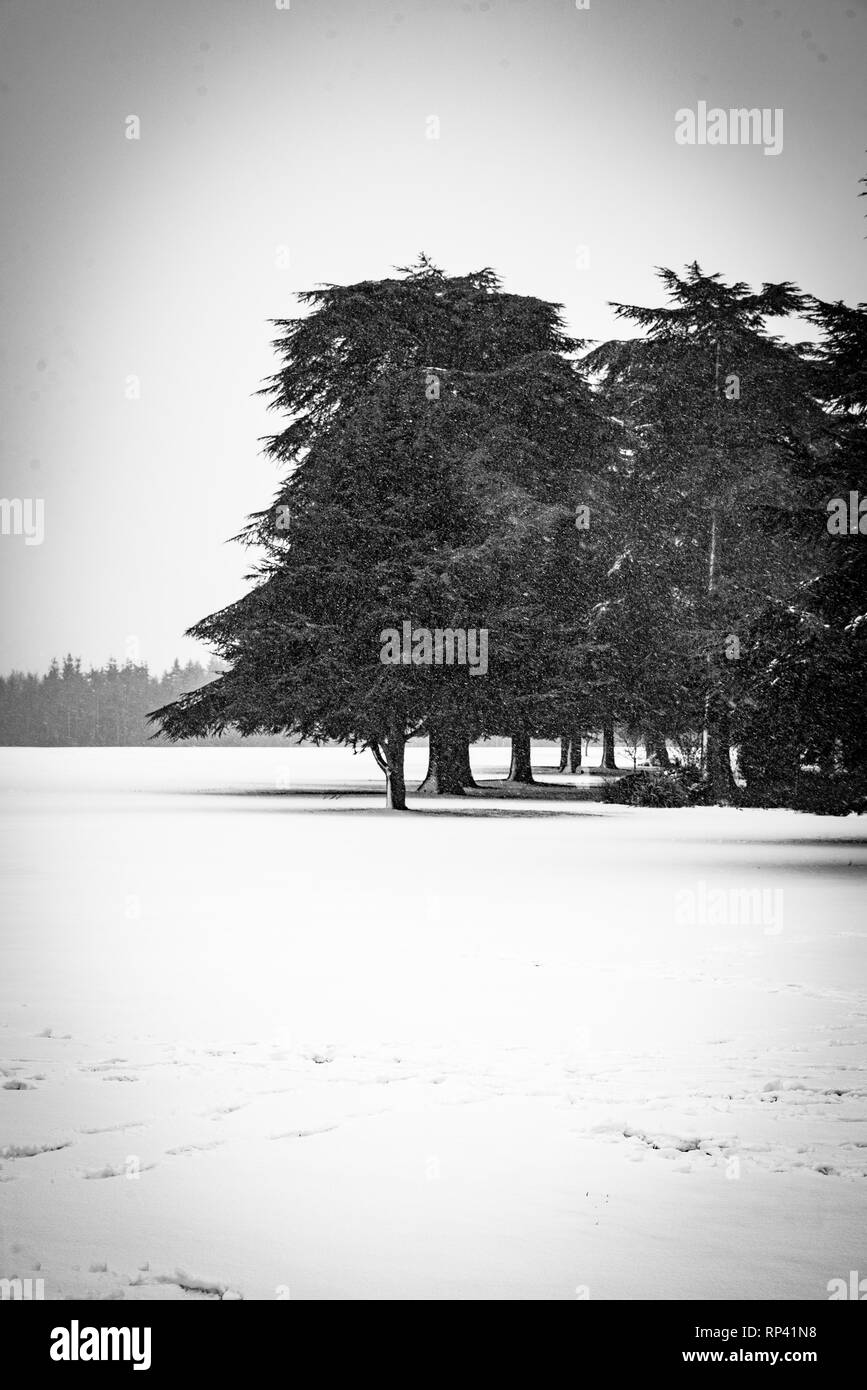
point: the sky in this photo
(281, 148)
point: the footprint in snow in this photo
(116, 1170)
(184, 1150)
(114, 1129)
(189, 1283)
(303, 1133)
(33, 1150)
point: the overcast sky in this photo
(307, 128)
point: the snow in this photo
(261, 1038)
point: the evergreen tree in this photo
(802, 687)
(434, 426)
(729, 440)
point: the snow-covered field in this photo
(261, 1038)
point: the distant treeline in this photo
(102, 707)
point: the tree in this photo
(729, 437)
(70, 707)
(432, 424)
(801, 696)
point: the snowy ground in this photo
(257, 1040)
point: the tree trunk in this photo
(444, 773)
(570, 752)
(718, 761)
(608, 760)
(655, 749)
(717, 752)
(853, 750)
(395, 786)
(521, 767)
(826, 756)
(462, 760)
(575, 751)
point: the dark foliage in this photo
(679, 787)
(101, 707)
